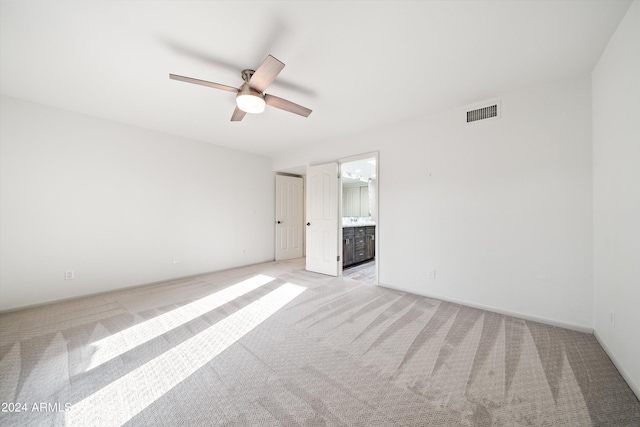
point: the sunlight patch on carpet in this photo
(127, 339)
(122, 399)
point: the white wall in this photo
(616, 203)
(117, 203)
(502, 208)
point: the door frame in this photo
(300, 206)
(376, 155)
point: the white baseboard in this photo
(551, 322)
(632, 385)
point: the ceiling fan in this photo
(250, 97)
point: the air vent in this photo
(483, 113)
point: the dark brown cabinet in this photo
(348, 245)
(370, 244)
(359, 248)
(358, 244)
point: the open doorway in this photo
(331, 234)
(359, 212)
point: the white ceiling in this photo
(357, 65)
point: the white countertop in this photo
(359, 224)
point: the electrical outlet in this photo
(175, 260)
(69, 275)
(432, 273)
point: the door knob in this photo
(308, 223)
(279, 222)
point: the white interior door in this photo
(289, 219)
(322, 219)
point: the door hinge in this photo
(338, 257)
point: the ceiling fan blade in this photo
(203, 83)
(285, 105)
(237, 115)
(266, 73)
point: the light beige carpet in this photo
(273, 345)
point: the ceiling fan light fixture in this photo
(250, 100)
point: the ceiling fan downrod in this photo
(247, 74)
